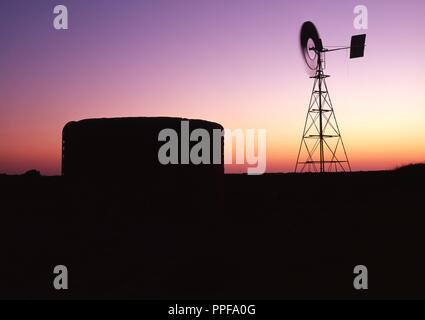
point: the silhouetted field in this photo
(267, 237)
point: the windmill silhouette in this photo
(322, 148)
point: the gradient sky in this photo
(236, 62)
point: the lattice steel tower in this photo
(322, 148)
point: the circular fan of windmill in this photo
(310, 39)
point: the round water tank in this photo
(127, 149)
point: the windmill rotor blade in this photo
(310, 39)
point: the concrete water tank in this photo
(127, 149)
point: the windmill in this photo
(322, 149)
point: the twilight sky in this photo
(235, 62)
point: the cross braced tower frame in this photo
(322, 148)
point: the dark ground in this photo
(270, 237)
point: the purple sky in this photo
(236, 62)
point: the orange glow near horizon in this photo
(235, 63)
